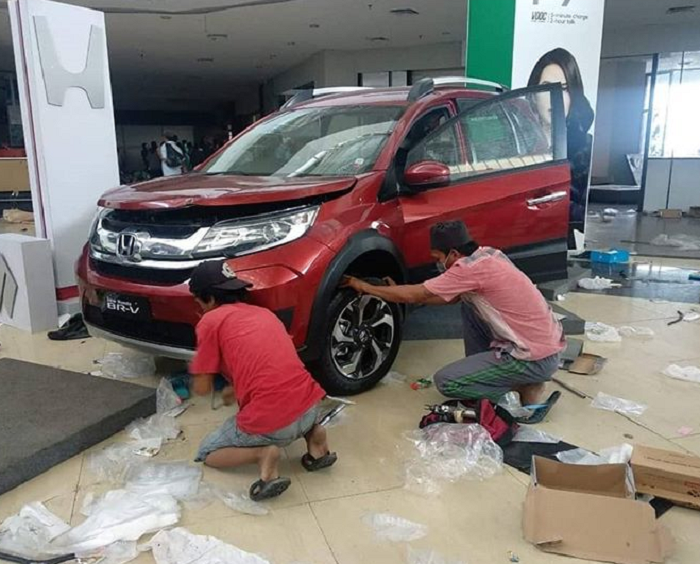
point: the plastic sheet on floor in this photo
(394, 378)
(30, 531)
(179, 546)
(393, 528)
(416, 556)
(238, 501)
(112, 463)
(602, 333)
(166, 398)
(620, 454)
(680, 242)
(636, 332)
(180, 480)
(618, 405)
(511, 403)
(159, 426)
(686, 373)
(127, 365)
(447, 452)
(119, 552)
(119, 515)
(528, 434)
(596, 283)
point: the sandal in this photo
(261, 490)
(312, 464)
(540, 410)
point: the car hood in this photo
(219, 190)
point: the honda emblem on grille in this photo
(128, 246)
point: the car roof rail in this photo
(426, 86)
(307, 94)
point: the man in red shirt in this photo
(278, 399)
(512, 340)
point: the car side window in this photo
(444, 147)
(507, 132)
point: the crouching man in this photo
(512, 340)
(278, 399)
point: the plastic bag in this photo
(681, 242)
(619, 405)
(638, 332)
(416, 556)
(166, 398)
(177, 479)
(620, 454)
(602, 333)
(687, 373)
(449, 452)
(237, 501)
(119, 552)
(161, 426)
(120, 515)
(127, 365)
(394, 378)
(30, 531)
(596, 283)
(511, 403)
(112, 463)
(179, 546)
(393, 528)
(527, 434)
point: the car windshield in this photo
(336, 141)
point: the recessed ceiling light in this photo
(314, 26)
(680, 9)
(205, 60)
(378, 38)
(403, 12)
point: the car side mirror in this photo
(427, 174)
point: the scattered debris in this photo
(240, 502)
(628, 436)
(449, 452)
(597, 283)
(31, 530)
(393, 528)
(161, 426)
(666, 474)
(587, 364)
(177, 479)
(394, 378)
(528, 434)
(111, 463)
(421, 384)
(167, 401)
(127, 365)
(618, 405)
(638, 332)
(686, 373)
(602, 333)
(17, 216)
(611, 211)
(511, 403)
(428, 557)
(179, 546)
(680, 242)
(512, 557)
(684, 431)
(620, 454)
(669, 213)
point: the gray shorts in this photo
(229, 435)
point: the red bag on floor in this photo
(497, 421)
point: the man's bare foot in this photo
(316, 442)
(269, 457)
(531, 395)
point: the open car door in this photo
(500, 166)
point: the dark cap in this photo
(216, 274)
(449, 235)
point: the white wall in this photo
(646, 40)
(682, 182)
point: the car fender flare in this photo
(357, 245)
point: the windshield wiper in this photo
(229, 173)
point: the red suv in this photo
(334, 184)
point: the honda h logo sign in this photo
(128, 246)
(57, 79)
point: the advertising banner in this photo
(544, 41)
(68, 122)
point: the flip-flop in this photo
(540, 410)
(312, 464)
(261, 490)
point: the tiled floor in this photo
(319, 519)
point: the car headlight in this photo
(100, 239)
(251, 235)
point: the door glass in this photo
(511, 131)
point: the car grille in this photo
(161, 276)
(179, 335)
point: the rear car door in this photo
(508, 181)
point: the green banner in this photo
(490, 27)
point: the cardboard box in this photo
(588, 512)
(671, 214)
(588, 364)
(694, 211)
(667, 474)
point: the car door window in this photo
(444, 147)
(511, 131)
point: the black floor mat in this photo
(519, 455)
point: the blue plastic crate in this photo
(613, 256)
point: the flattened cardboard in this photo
(585, 512)
(588, 364)
(667, 474)
(671, 214)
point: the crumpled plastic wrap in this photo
(394, 378)
(596, 283)
(127, 365)
(620, 454)
(447, 452)
(119, 552)
(179, 546)
(602, 333)
(416, 556)
(112, 463)
(680, 242)
(177, 479)
(166, 398)
(618, 405)
(686, 373)
(30, 531)
(637, 332)
(119, 515)
(528, 434)
(238, 501)
(511, 403)
(393, 528)
(159, 426)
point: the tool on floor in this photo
(571, 389)
(421, 384)
(22, 560)
(680, 317)
(331, 414)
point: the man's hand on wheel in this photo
(354, 283)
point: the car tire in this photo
(344, 339)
